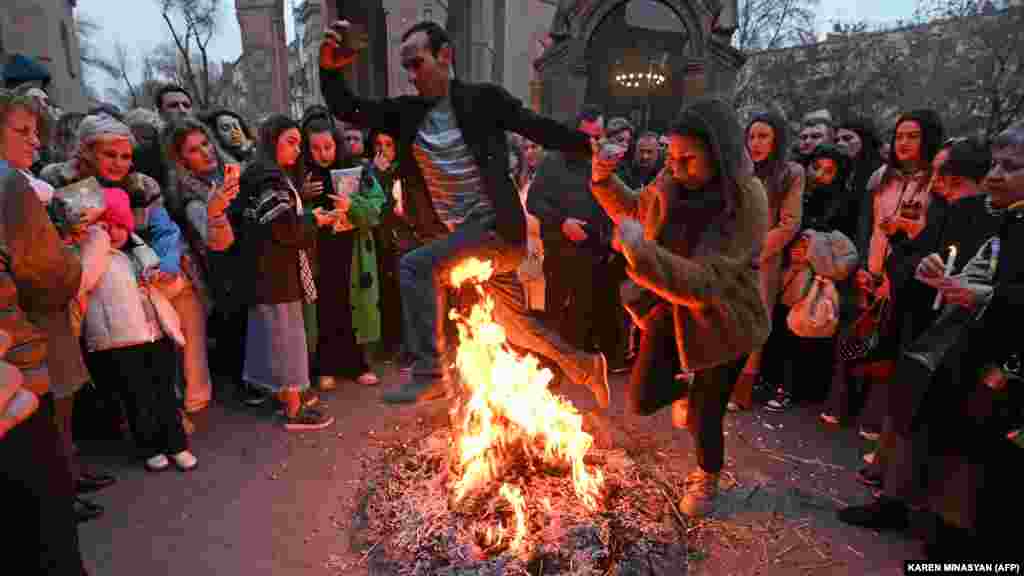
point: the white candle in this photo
(396, 194)
(950, 261)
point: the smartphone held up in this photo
(353, 38)
(611, 151)
(232, 172)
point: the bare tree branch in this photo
(962, 58)
(123, 64)
(200, 23)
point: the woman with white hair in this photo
(105, 150)
(21, 124)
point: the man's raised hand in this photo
(341, 45)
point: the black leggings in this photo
(143, 375)
(652, 386)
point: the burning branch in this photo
(507, 416)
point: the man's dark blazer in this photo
(484, 113)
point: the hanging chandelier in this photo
(640, 79)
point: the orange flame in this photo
(507, 413)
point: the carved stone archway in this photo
(707, 62)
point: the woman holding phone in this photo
(276, 273)
(199, 198)
(346, 215)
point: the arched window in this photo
(65, 39)
(636, 54)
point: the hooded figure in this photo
(827, 206)
(733, 210)
(692, 248)
(868, 159)
(232, 135)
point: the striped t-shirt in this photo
(452, 175)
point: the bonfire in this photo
(515, 485)
(507, 418)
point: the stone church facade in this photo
(597, 43)
(554, 55)
(45, 31)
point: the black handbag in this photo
(859, 339)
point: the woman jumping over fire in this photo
(691, 240)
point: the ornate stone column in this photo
(266, 54)
(563, 73)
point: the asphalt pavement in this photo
(268, 502)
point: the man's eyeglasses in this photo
(955, 141)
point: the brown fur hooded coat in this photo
(712, 285)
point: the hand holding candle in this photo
(950, 261)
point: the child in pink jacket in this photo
(131, 331)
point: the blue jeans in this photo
(423, 276)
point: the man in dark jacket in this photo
(453, 164)
(38, 278)
(646, 163)
(576, 234)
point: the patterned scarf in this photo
(305, 269)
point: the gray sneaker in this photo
(700, 490)
(416, 391)
(597, 381)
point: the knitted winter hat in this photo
(119, 210)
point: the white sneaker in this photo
(828, 418)
(368, 379)
(869, 435)
(157, 463)
(184, 460)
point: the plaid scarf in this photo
(305, 269)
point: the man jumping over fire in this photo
(453, 159)
(691, 239)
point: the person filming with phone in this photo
(457, 195)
